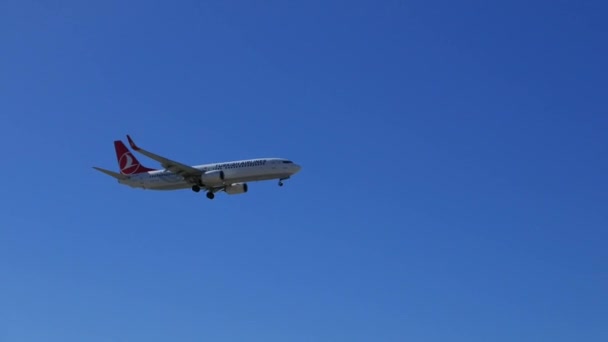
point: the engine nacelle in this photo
(214, 177)
(238, 188)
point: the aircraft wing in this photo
(171, 165)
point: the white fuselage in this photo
(239, 171)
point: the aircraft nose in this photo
(296, 168)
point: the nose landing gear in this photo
(281, 180)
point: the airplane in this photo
(230, 177)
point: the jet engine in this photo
(214, 177)
(238, 188)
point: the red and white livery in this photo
(230, 177)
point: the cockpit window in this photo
(287, 162)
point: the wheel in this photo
(280, 183)
(210, 195)
(196, 188)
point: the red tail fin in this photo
(127, 162)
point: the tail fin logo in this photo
(127, 162)
(127, 166)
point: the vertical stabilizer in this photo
(128, 164)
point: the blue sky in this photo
(453, 183)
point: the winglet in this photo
(132, 143)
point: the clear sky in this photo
(453, 184)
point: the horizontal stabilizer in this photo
(111, 173)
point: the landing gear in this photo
(196, 188)
(210, 195)
(281, 181)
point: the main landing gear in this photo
(197, 188)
